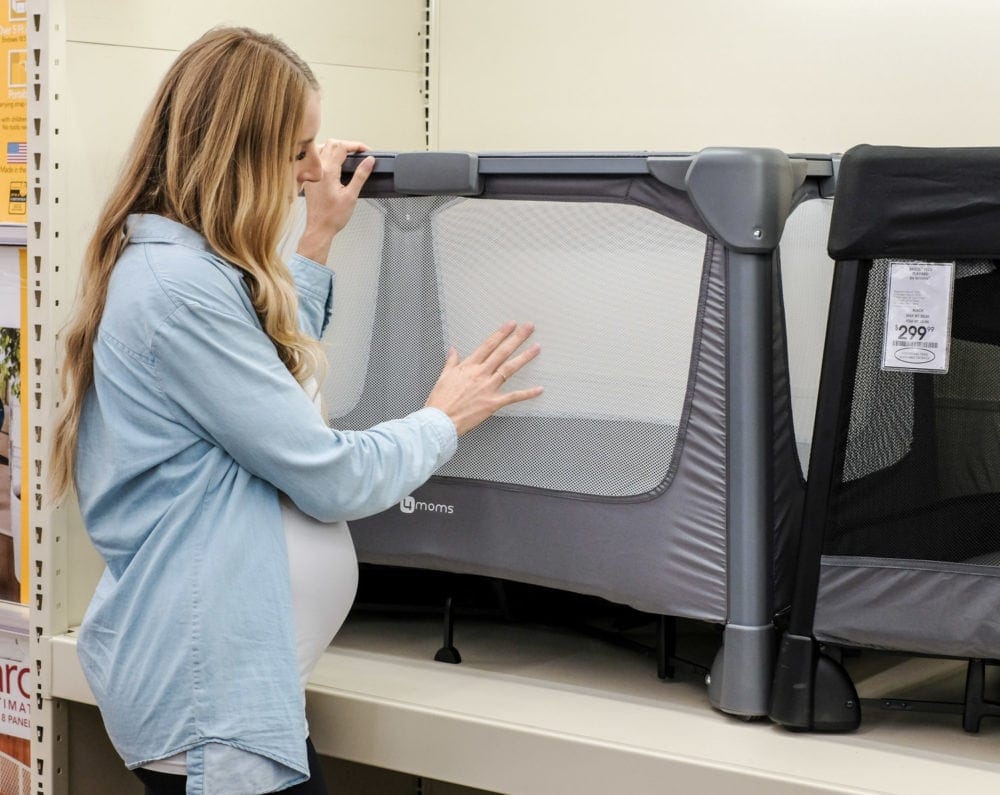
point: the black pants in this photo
(170, 784)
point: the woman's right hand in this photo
(468, 390)
(329, 202)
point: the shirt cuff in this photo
(443, 429)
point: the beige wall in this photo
(801, 75)
(367, 56)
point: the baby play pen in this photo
(660, 469)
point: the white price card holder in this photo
(917, 336)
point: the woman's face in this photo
(306, 163)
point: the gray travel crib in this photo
(900, 545)
(659, 470)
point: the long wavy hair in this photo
(214, 152)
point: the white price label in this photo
(918, 300)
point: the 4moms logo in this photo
(410, 505)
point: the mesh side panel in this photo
(881, 425)
(921, 473)
(612, 289)
(355, 257)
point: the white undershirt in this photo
(324, 569)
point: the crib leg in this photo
(666, 646)
(976, 705)
(448, 653)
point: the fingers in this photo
(506, 347)
(361, 174)
(497, 347)
(495, 354)
(490, 344)
(349, 147)
(507, 368)
(346, 147)
(336, 151)
(518, 395)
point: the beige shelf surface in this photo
(537, 710)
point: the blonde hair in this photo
(214, 152)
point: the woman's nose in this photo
(312, 169)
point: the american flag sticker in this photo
(17, 152)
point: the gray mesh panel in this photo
(356, 258)
(880, 430)
(612, 289)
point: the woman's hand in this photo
(468, 390)
(330, 203)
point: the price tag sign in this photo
(918, 316)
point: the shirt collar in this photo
(149, 228)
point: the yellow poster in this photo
(12, 569)
(15, 729)
(13, 112)
(15, 675)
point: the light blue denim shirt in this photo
(191, 429)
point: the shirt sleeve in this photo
(223, 380)
(314, 284)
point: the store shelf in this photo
(534, 710)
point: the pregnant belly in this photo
(324, 573)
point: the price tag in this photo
(918, 316)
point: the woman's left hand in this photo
(468, 390)
(329, 202)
